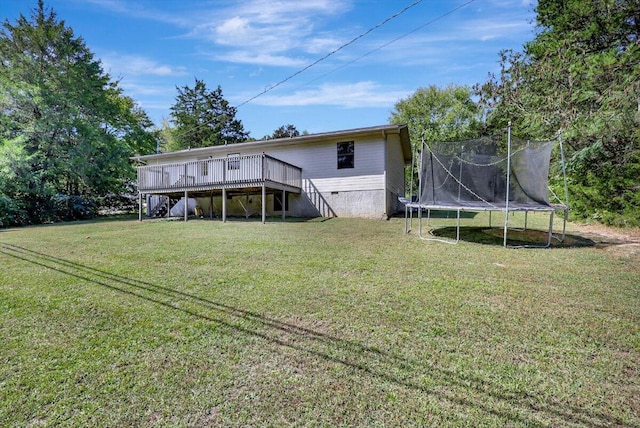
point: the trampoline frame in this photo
(506, 207)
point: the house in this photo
(350, 173)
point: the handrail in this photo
(218, 172)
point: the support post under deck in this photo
(264, 205)
(186, 205)
(224, 205)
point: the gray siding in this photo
(395, 173)
(370, 189)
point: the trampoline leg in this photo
(458, 228)
(406, 229)
(506, 227)
(564, 224)
(420, 221)
(526, 214)
(550, 229)
(411, 219)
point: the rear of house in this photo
(349, 173)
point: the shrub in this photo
(12, 212)
(73, 207)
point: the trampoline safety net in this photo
(473, 173)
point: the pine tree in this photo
(204, 118)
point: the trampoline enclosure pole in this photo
(506, 206)
(564, 170)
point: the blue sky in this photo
(248, 46)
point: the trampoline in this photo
(487, 174)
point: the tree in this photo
(580, 75)
(438, 114)
(166, 138)
(285, 131)
(69, 128)
(204, 118)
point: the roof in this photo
(384, 130)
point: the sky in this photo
(368, 54)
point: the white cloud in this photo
(250, 57)
(136, 65)
(348, 95)
(140, 89)
(139, 10)
(275, 33)
(489, 29)
(263, 32)
(233, 31)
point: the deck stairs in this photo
(162, 207)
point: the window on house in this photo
(345, 155)
(233, 161)
(277, 201)
(203, 166)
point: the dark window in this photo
(233, 161)
(277, 201)
(203, 166)
(345, 155)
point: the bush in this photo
(12, 212)
(73, 207)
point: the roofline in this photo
(402, 130)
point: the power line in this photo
(342, 47)
(272, 87)
(390, 42)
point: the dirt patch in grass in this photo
(619, 242)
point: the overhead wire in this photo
(395, 15)
(444, 15)
(352, 41)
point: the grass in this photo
(321, 323)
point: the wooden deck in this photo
(248, 173)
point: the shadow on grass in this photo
(459, 388)
(255, 218)
(98, 219)
(494, 236)
(451, 214)
(179, 219)
(438, 214)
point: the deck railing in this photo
(233, 171)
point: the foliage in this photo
(204, 118)
(74, 207)
(581, 75)
(346, 322)
(12, 212)
(166, 138)
(438, 114)
(285, 131)
(69, 130)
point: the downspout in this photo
(386, 200)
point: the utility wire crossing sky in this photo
(321, 65)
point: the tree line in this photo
(580, 75)
(67, 130)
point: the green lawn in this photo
(321, 323)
